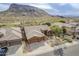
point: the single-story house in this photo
(13, 35)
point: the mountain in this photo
(22, 12)
(25, 10)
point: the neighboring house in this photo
(13, 35)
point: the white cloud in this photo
(75, 5)
(62, 4)
(3, 7)
(42, 6)
(45, 6)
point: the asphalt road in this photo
(70, 51)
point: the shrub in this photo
(62, 21)
(56, 29)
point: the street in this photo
(68, 51)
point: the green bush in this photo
(56, 29)
(62, 21)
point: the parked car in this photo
(3, 51)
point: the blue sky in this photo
(67, 9)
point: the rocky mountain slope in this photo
(21, 12)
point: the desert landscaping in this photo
(27, 30)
